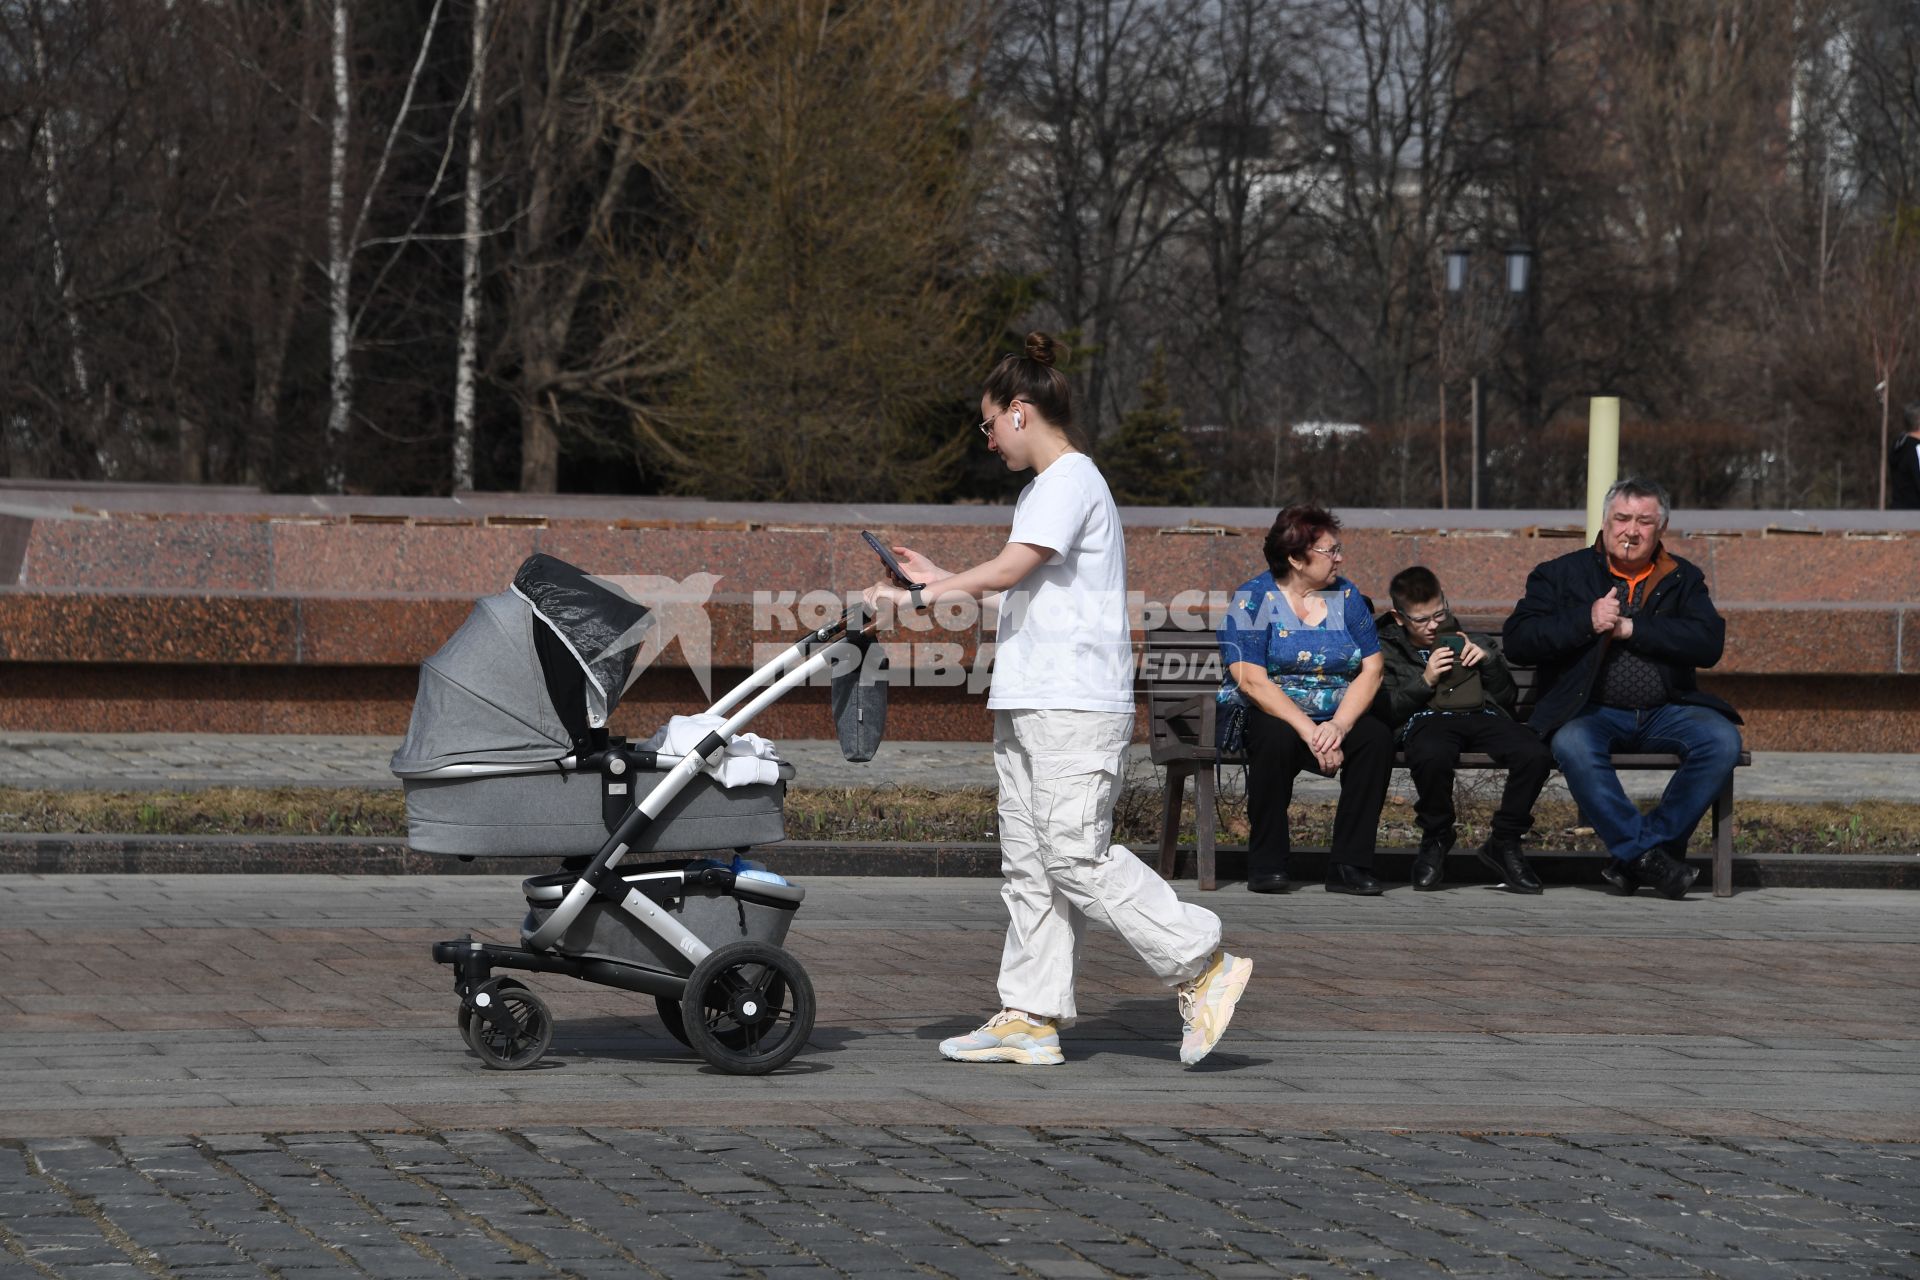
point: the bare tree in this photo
(339, 255)
(1248, 178)
(472, 232)
(345, 243)
(1389, 101)
(1104, 100)
(592, 89)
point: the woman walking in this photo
(1063, 712)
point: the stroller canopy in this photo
(529, 672)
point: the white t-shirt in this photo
(1063, 642)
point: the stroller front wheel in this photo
(517, 1048)
(753, 1008)
(463, 1016)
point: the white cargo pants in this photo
(1059, 778)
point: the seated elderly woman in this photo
(1303, 664)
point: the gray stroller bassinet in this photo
(507, 755)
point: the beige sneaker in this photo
(1206, 1004)
(1008, 1036)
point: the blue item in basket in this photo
(745, 870)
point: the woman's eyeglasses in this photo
(1334, 552)
(986, 426)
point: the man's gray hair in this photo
(1634, 487)
(1911, 412)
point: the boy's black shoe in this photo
(1503, 857)
(1429, 865)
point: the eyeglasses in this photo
(1420, 620)
(986, 424)
(1334, 552)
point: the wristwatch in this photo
(913, 594)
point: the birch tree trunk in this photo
(62, 277)
(339, 264)
(464, 373)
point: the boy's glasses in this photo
(1422, 619)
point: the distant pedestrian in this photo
(1063, 713)
(1903, 466)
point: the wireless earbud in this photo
(1016, 419)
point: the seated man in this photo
(1446, 692)
(1617, 630)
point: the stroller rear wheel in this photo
(674, 1020)
(754, 1007)
(523, 1045)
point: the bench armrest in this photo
(1167, 716)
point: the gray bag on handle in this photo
(859, 697)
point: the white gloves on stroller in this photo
(750, 758)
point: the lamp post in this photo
(1458, 276)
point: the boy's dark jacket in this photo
(1676, 625)
(1403, 692)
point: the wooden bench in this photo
(1180, 674)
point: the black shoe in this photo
(1622, 880)
(1504, 859)
(1269, 882)
(1344, 877)
(1670, 878)
(1429, 864)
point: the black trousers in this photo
(1275, 756)
(1433, 747)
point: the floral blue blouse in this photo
(1312, 665)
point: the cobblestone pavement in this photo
(213, 1076)
(777, 1201)
(158, 761)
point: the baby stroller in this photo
(507, 754)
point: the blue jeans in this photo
(1706, 740)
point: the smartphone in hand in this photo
(892, 565)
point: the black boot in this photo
(1344, 877)
(1503, 857)
(1670, 878)
(1429, 864)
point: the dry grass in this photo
(216, 811)
(892, 814)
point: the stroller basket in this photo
(753, 910)
(558, 812)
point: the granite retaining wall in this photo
(124, 609)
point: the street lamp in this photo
(1459, 262)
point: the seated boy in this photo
(1446, 692)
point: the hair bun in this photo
(1041, 347)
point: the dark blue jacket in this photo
(1552, 629)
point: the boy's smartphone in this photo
(1454, 641)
